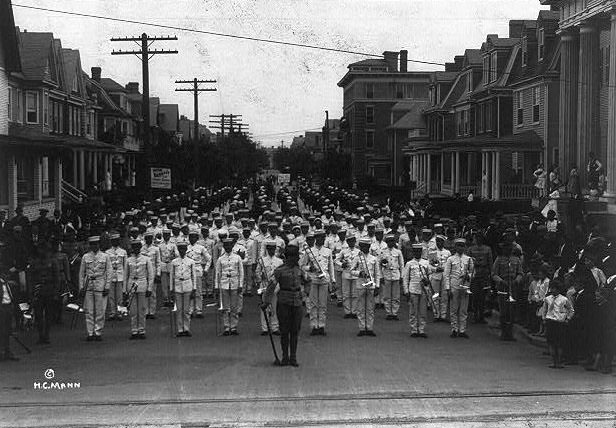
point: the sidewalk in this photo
(519, 332)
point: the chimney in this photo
(96, 74)
(515, 29)
(132, 87)
(459, 61)
(404, 57)
(391, 58)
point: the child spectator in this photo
(536, 295)
(556, 313)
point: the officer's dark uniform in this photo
(289, 309)
(43, 278)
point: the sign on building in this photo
(160, 178)
(284, 179)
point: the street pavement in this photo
(343, 380)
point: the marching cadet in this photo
(229, 280)
(507, 274)
(392, 264)
(427, 243)
(273, 235)
(457, 276)
(376, 249)
(168, 253)
(249, 260)
(260, 238)
(415, 277)
(117, 255)
(344, 260)
(480, 285)
(182, 278)
(203, 262)
(240, 250)
(208, 277)
(153, 252)
(175, 234)
(94, 276)
(338, 245)
(263, 275)
(437, 259)
(366, 268)
(319, 264)
(139, 277)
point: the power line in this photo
(214, 33)
(287, 132)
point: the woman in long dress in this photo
(540, 176)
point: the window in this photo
(74, 87)
(467, 116)
(370, 114)
(25, 178)
(369, 90)
(493, 67)
(469, 81)
(57, 117)
(604, 66)
(519, 99)
(536, 98)
(32, 107)
(540, 44)
(399, 90)
(524, 51)
(89, 123)
(45, 176)
(46, 108)
(369, 139)
(488, 108)
(486, 69)
(15, 112)
(480, 117)
(10, 94)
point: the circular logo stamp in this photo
(50, 374)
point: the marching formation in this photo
(304, 248)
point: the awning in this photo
(52, 143)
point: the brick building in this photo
(372, 88)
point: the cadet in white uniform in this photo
(94, 278)
(182, 277)
(416, 276)
(203, 262)
(345, 260)
(138, 283)
(117, 256)
(457, 276)
(229, 281)
(153, 252)
(263, 274)
(392, 264)
(366, 268)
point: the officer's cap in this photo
(94, 238)
(222, 232)
(166, 231)
(417, 247)
(426, 230)
(460, 241)
(365, 241)
(182, 244)
(193, 232)
(379, 230)
(438, 225)
(135, 242)
(114, 236)
(319, 232)
(227, 241)
(441, 237)
(270, 243)
(408, 223)
(272, 224)
(390, 237)
(149, 234)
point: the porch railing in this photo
(72, 193)
(435, 187)
(518, 191)
(465, 190)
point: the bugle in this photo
(265, 277)
(314, 261)
(426, 287)
(370, 284)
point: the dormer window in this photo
(469, 81)
(541, 43)
(486, 69)
(524, 51)
(74, 87)
(493, 67)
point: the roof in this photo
(376, 62)
(51, 142)
(72, 69)
(414, 118)
(35, 50)
(473, 56)
(549, 15)
(445, 76)
(8, 37)
(111, 85)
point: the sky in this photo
(280, 91)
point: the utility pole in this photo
(195, 90)
(225, 121)
(145, 54)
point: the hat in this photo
(319, 232)
(348, 238)
(114, 236)
(438, 225)
(270, 243)
(460, 241)
(181, 244)
(417, 247)
(166, 230)
(222, 232)
(426, 230)
(94, 239)
(193, 232)
(227, 241)
(135, 242)
(444, 238)
(134, 229)
(150, 233)
(390, 237)
(365, 240)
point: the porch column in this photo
(497, 180)
(483, 173)
(588, 96)
(58, 183)
(12, 184)
(567, 137)
(611, 121)
(421, 169)
(493, 175)
(453, 172)
(442, 170)
(38, 179)
(428, 173)
(82, 169)
(75, 169)
(457, 188)
(94, 168)
(469, 162)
